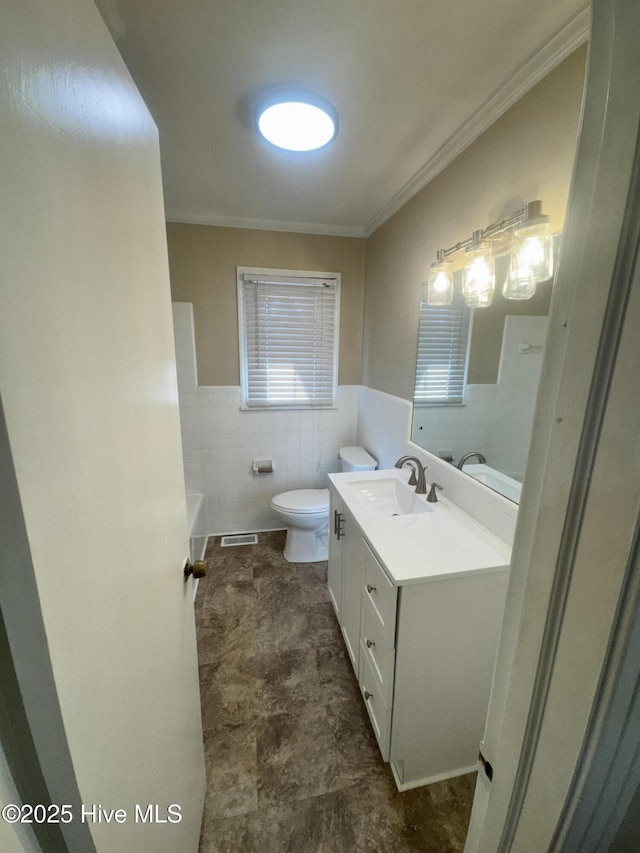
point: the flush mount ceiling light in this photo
(297, 120)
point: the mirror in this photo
(493, 386)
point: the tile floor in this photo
(292, 763)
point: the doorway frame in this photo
(552, 761)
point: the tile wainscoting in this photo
(495, 419)
(219, 443)
(384, 427)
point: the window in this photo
(288, 330)
(443, 343)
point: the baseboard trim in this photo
(429, 780)
(243, 531)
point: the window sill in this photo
(288, 408)
(439, 405)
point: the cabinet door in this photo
(334, 568)
(353, 569)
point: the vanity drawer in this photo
(380, 592)
(379, 713)
(378, 645)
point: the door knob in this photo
(198, 568)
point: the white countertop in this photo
(432, 545)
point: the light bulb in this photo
(478, 275)
(297, 120)
(440, 284)
(531, 255)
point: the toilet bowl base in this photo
(306, 546)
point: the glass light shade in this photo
(297, 121)
(478, 276)
(531, 259)
(440, 284)
(518, 289)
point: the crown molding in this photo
(558, 47)
(263, 224)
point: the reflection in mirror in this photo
(477, 377)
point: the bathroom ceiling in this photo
(414, 82)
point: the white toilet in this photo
(356, 459)
(305, 512)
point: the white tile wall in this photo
(220, 442)
(495, 419)
(458, 428)
(517, 388)
(383, 428)
(384, 423)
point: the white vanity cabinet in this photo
(334, 567)
(423, 643)
(376, 674)
(345, 574)
(426, 663)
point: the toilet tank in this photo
(356, 459)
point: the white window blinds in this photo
(288, 341)
(443, 340)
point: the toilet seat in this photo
(302, 501)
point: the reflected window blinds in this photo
(443, 343)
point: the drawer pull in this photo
(369, 642)
(368, 695)
(371, 588)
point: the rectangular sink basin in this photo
(389, 497)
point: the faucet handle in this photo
(413, 480)
(432, 497)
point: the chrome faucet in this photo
(467, 456)
(417, 477)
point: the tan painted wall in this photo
(203, 261)
(527, 154)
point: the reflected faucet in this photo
(467, 456)
(417, 477)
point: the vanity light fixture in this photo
(525, 233)
(478, 273)
(531, 254)
(440, 284)
(297, 120)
